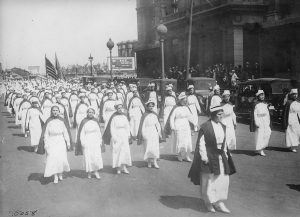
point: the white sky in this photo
(73, 29)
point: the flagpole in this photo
(189, 40)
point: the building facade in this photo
(265, 33)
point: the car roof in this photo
(200, 78)
(265, 80)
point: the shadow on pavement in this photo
(108, 169)
(278, 149)
(14, 127)
(294, 187)
(139, 164)
(11, 122)
(18, 134)
(77, 173)
(169, 157)
(183, 202)
(40, 178)
(26, 148)
(245, 152)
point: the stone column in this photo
(238, 50)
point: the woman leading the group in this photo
(89, 143)
(149, 133)
(117, 133)
(212, 162)
(55, 140)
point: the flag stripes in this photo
(50, 70)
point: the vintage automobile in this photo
(273, 88)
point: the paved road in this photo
(263, 186)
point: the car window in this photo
(204, 84)
(277, 86)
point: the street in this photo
(262, 187)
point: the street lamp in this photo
(110, 44)
(91, 61)
(162, 31)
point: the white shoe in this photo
(221, 207)
(97, 175)
(55, 179)
(25, 135)
(118, 171)
(60, 177)
(262, 153)
(188, 159)
(89, 175)
(125, 170)
(149, 165)
(179, 158)
(294, 150)
(210, 207)
(155, 165)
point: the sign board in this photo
(121, 63)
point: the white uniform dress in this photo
(108, 110)
(214, 188)
(34, 125)
(80, 115)
(151, 131)
(46, 108)
(74, 100)
(120, 132)
(293, 129)
(56, 137)
(229, 120)
(91, 140)
(180, 122)
(194, 106)
(170, 102)
(262, 122)
(153, 97)
(94, 103)
(23, 113)
(136, 111)
(16, 106)
(215, 101)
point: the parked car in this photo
(273, 88)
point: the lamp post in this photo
(110, 44)
(91, 61)
(162, 31)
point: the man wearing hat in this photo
(260, 123)
(291, 121)
(229, 120)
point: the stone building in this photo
(237, 32)
(126, 48)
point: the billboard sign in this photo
(121, 63)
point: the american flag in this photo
(50, 70)
(60, 74)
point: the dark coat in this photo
(213, 153)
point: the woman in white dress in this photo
(55, 140)
(22, 113)
(46, 105)
(135, 112)
(89, 144)
(33, 124)
(193, 103)
(117, 133)
(168, 104)
(149, 134)
(229, 120)
(108, 107)
(179, 122)
(291, 121)
(212, 162)
(260, 123)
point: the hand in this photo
(205, 161)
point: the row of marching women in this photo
(49, 112)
